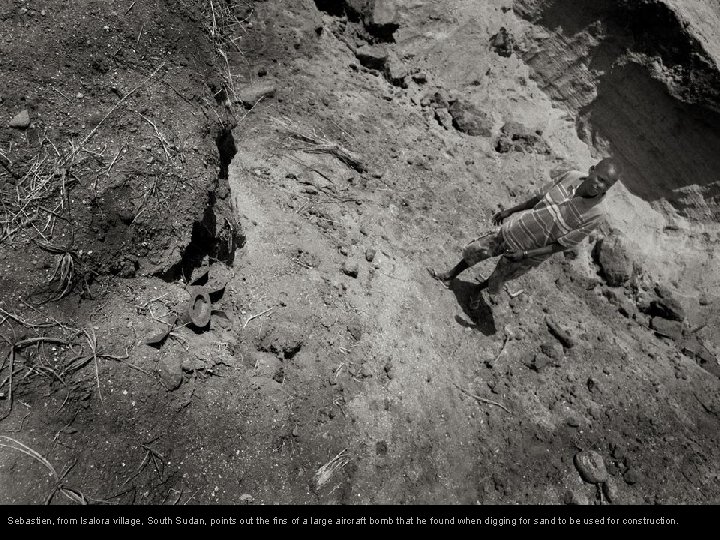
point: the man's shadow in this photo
(469, 296)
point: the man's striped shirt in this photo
(558, 217)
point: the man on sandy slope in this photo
(558, 218)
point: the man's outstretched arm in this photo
(504, 214)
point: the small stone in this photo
(703, 300)
(667, 328)
(171, 372)
(553, 350)
(591, 467)
(443, 117)
(395, 71)
(190, 364)
(262, 72)
(80, 95)
(295, 431)
(21, 120)
(420, 78)
(365, 371)
(372, 56)
(3, 395)
(611, 490)
(560, 333)
(631, 477)
(355, 331)
(612, 258)
(343, 251)
(572, 421)
(503, 42)
(370, 254)
(666, 305)
(246, 498)
(574, 498)
(381, 448)
(250, 95)
(540, 361)
(389, 370)
(471, 120)
(351, 268)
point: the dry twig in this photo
(92, 341)
(163, 140)
(72, 494)
(481, 399)
(251, 317)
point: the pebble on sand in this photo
(21, 120)
(591, 467)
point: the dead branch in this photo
(92, 341)
(41, 339)
(159, 136)
(481, 399)
(23, 322)
(501, 348)
(256, 316)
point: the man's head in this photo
(600, 178)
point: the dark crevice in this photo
(202, 244)
(360, 12)
(335, 8)
(226, 150)
(217, 235)
(383, 32)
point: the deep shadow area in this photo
(660, 122)
(662, 143)
(469, 296)
(570, 17)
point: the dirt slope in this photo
(375, 139)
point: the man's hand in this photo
(515, 256)
(501, 216)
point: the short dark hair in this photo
(608, 168)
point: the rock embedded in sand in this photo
(372, 56)
(631, 477)
(615, 266)
(250, 95)
(20, 120)
(420, 78)
(560, 333)
(611, 490)
(666, 328)
(471, 120)
(351, 268)
(591, 467)
(666, 305)
(575, 498)
(171, 373)
(396, 71)
(443, 117)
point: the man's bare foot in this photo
(442, 277)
